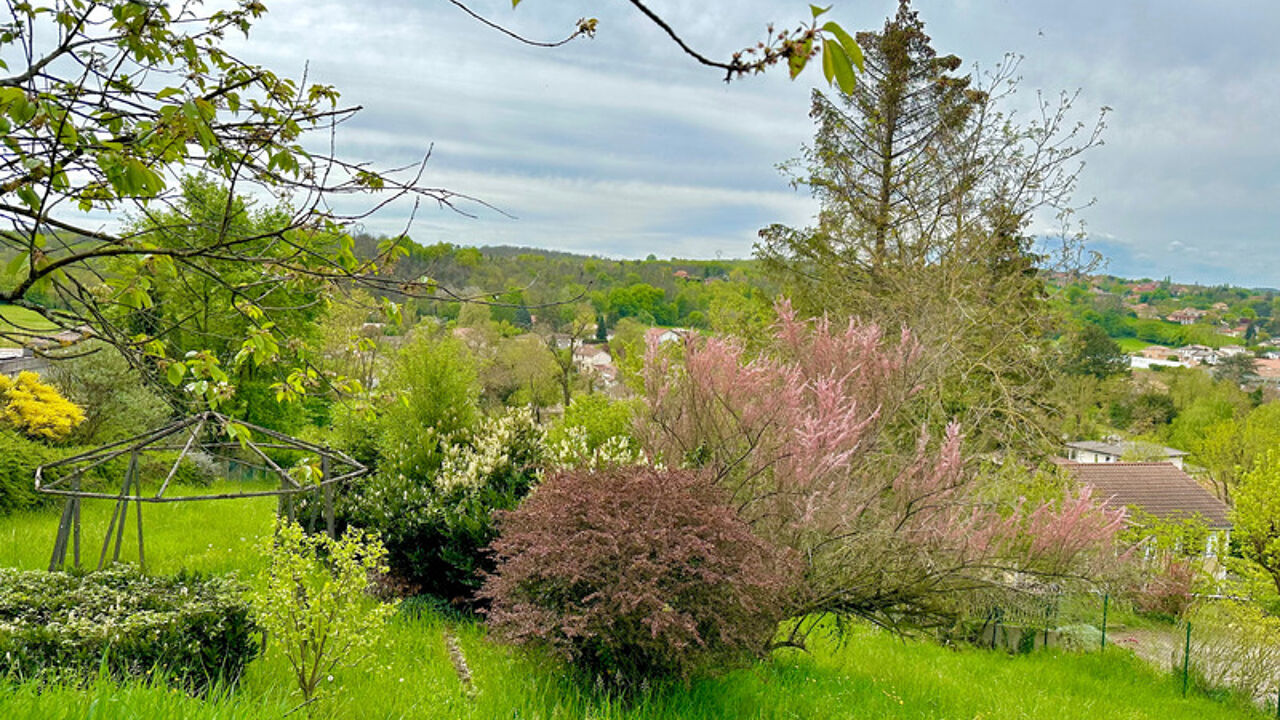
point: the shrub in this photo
(1235, 645)
(436, 528)
(19, 457)
(436, 402)
(1166, 592)
(194, 630)
(116, 399)
(314, 602)
(634, 574)
(36, 409)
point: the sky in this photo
(622, 146)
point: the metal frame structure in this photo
(203, 432)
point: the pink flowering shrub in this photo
(1166, 589)
(802, 440)
(634, 573)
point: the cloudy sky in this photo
(623, 146)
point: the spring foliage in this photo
(635, 573)
(36, 409)
(195, 631)
(314, 603)
(798, 438)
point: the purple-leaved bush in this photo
(635, 573)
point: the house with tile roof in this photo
(1158, 489)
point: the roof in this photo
(1157, 488)
(1119, 449)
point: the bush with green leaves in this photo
(313, 601)
(435, 399)
(195, 631)
(19, 458)
(116, 399)
(636, 574)
(437, 527)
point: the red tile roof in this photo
(1157, 488)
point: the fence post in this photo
(1106, 600)
(1186, 660)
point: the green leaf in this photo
(852, 50)
(29, 197)
(828, 66)
(840, 66)
(175, 373)
(15, 265)
(238, 432)
(168, 92)
(818, 10)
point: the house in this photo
(1090, 452)
(1197, 355)
(1158, 489)
(1268, 370)
(1157, 352)
(1139, 362)
(1186, 316)
(595, 363)
(662, 336)
(1145, 287)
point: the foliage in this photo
(797, 438)
(437, 524)
(599, 417)
(1240, 369)
(875, 673)
(1256, 518)
(635, 574)
(433, 401)
(194, 630)
(1166, 588)
(1089, 351)
(19, 458)
(595, 432)
(927, 187)
(36, 409)
(1235, 645)
(114, 396)
(313, 601)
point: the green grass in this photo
(217, 536)
(22, 320)
(869, 675)
(1131, 345)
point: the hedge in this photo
(192, 630)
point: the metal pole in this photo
(1186, 661)
(59, 556)
(1106, 600)
(142, 556)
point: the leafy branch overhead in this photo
(840, 53)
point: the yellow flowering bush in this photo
(36, 409)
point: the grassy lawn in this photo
(1131, 345)
(22, 320)
(869, 674)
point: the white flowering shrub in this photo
(573, 449)
(437, 525)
